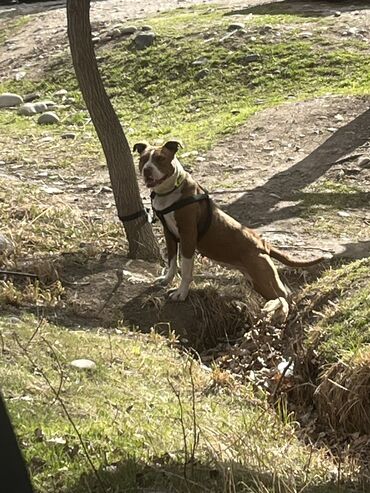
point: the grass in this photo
(132, 412)
(10, 27)
(157, 94)
(344, 328)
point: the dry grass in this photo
(343, 395)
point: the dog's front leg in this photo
(188, 243)
(171, 245)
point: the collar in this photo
(179, 181)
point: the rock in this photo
(305, 34)
(8, 99)
(253, 57)
(48, 118)
(52, 190)
(343, 214)
(126, 31)
(27, 109)
(5, 244)
(338, 118)
(364, 162)
(143, 40)
(31, 97)
(95, 39)
(68, 135)
(19, 76)
(83, 364)
(337, 13)
(235, 26)
(201, 74)
(200, 61)
(61, 92)
(40, 107)
(146, 28)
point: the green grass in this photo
(156, 93)
(344, 327)
(129, 417)
(10, 27)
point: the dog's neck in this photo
(174, 181)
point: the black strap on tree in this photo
(183, 203)
(132, 217)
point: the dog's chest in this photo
(160, 203)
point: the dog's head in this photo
(156, 163)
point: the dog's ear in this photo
(173, 145)
(140, 147)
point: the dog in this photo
(191, 219)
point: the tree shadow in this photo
(165, 475)
(298, 7)
(285, 185)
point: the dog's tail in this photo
(291, 262)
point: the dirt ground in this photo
(257, 174)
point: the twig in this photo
(4, 272)
(194, 416)
(119, 275)
(57, 397)
(66, 412)
(41, 321)
(178, 397)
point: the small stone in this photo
(126, 31)
(83, 364)
(201, 74)
(68, 135)
(337, 13)
(40, 107)
(115, 33)
(143, 40)
(95, 39)
(52, 190)
(19, 76)
(200, 61)
(338, 118)
(235, 26)
(353, 31)
(363, 161)
(61, 92)
(343, 214)
(146, 28)
(31, 97)
(305, 34)
(27, 109)
(253, 57)
(48, 118)
(8, 99)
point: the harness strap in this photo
(183, 203)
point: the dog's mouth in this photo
(150, 182)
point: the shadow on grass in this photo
(302, 8)
(288, 184)
(166, 475)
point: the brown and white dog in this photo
(226, 240)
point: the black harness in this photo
(183, 203)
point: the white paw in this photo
(179, 294)
(276, 311)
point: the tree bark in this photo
(141, 240)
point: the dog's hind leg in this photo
(265, 278)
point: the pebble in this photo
(40, 107)
(68, 135)
(27, 109)
(48, 118)
(27, 98)
(253, 57)
(19, 76)
(52, 190)
(201, 74)
(143, 40)
(338, 118)
(83, 364)
(235, 26)
(9, 99)
(200, 61)
(126, 31)
(61, 92)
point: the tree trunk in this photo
(141, 240)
